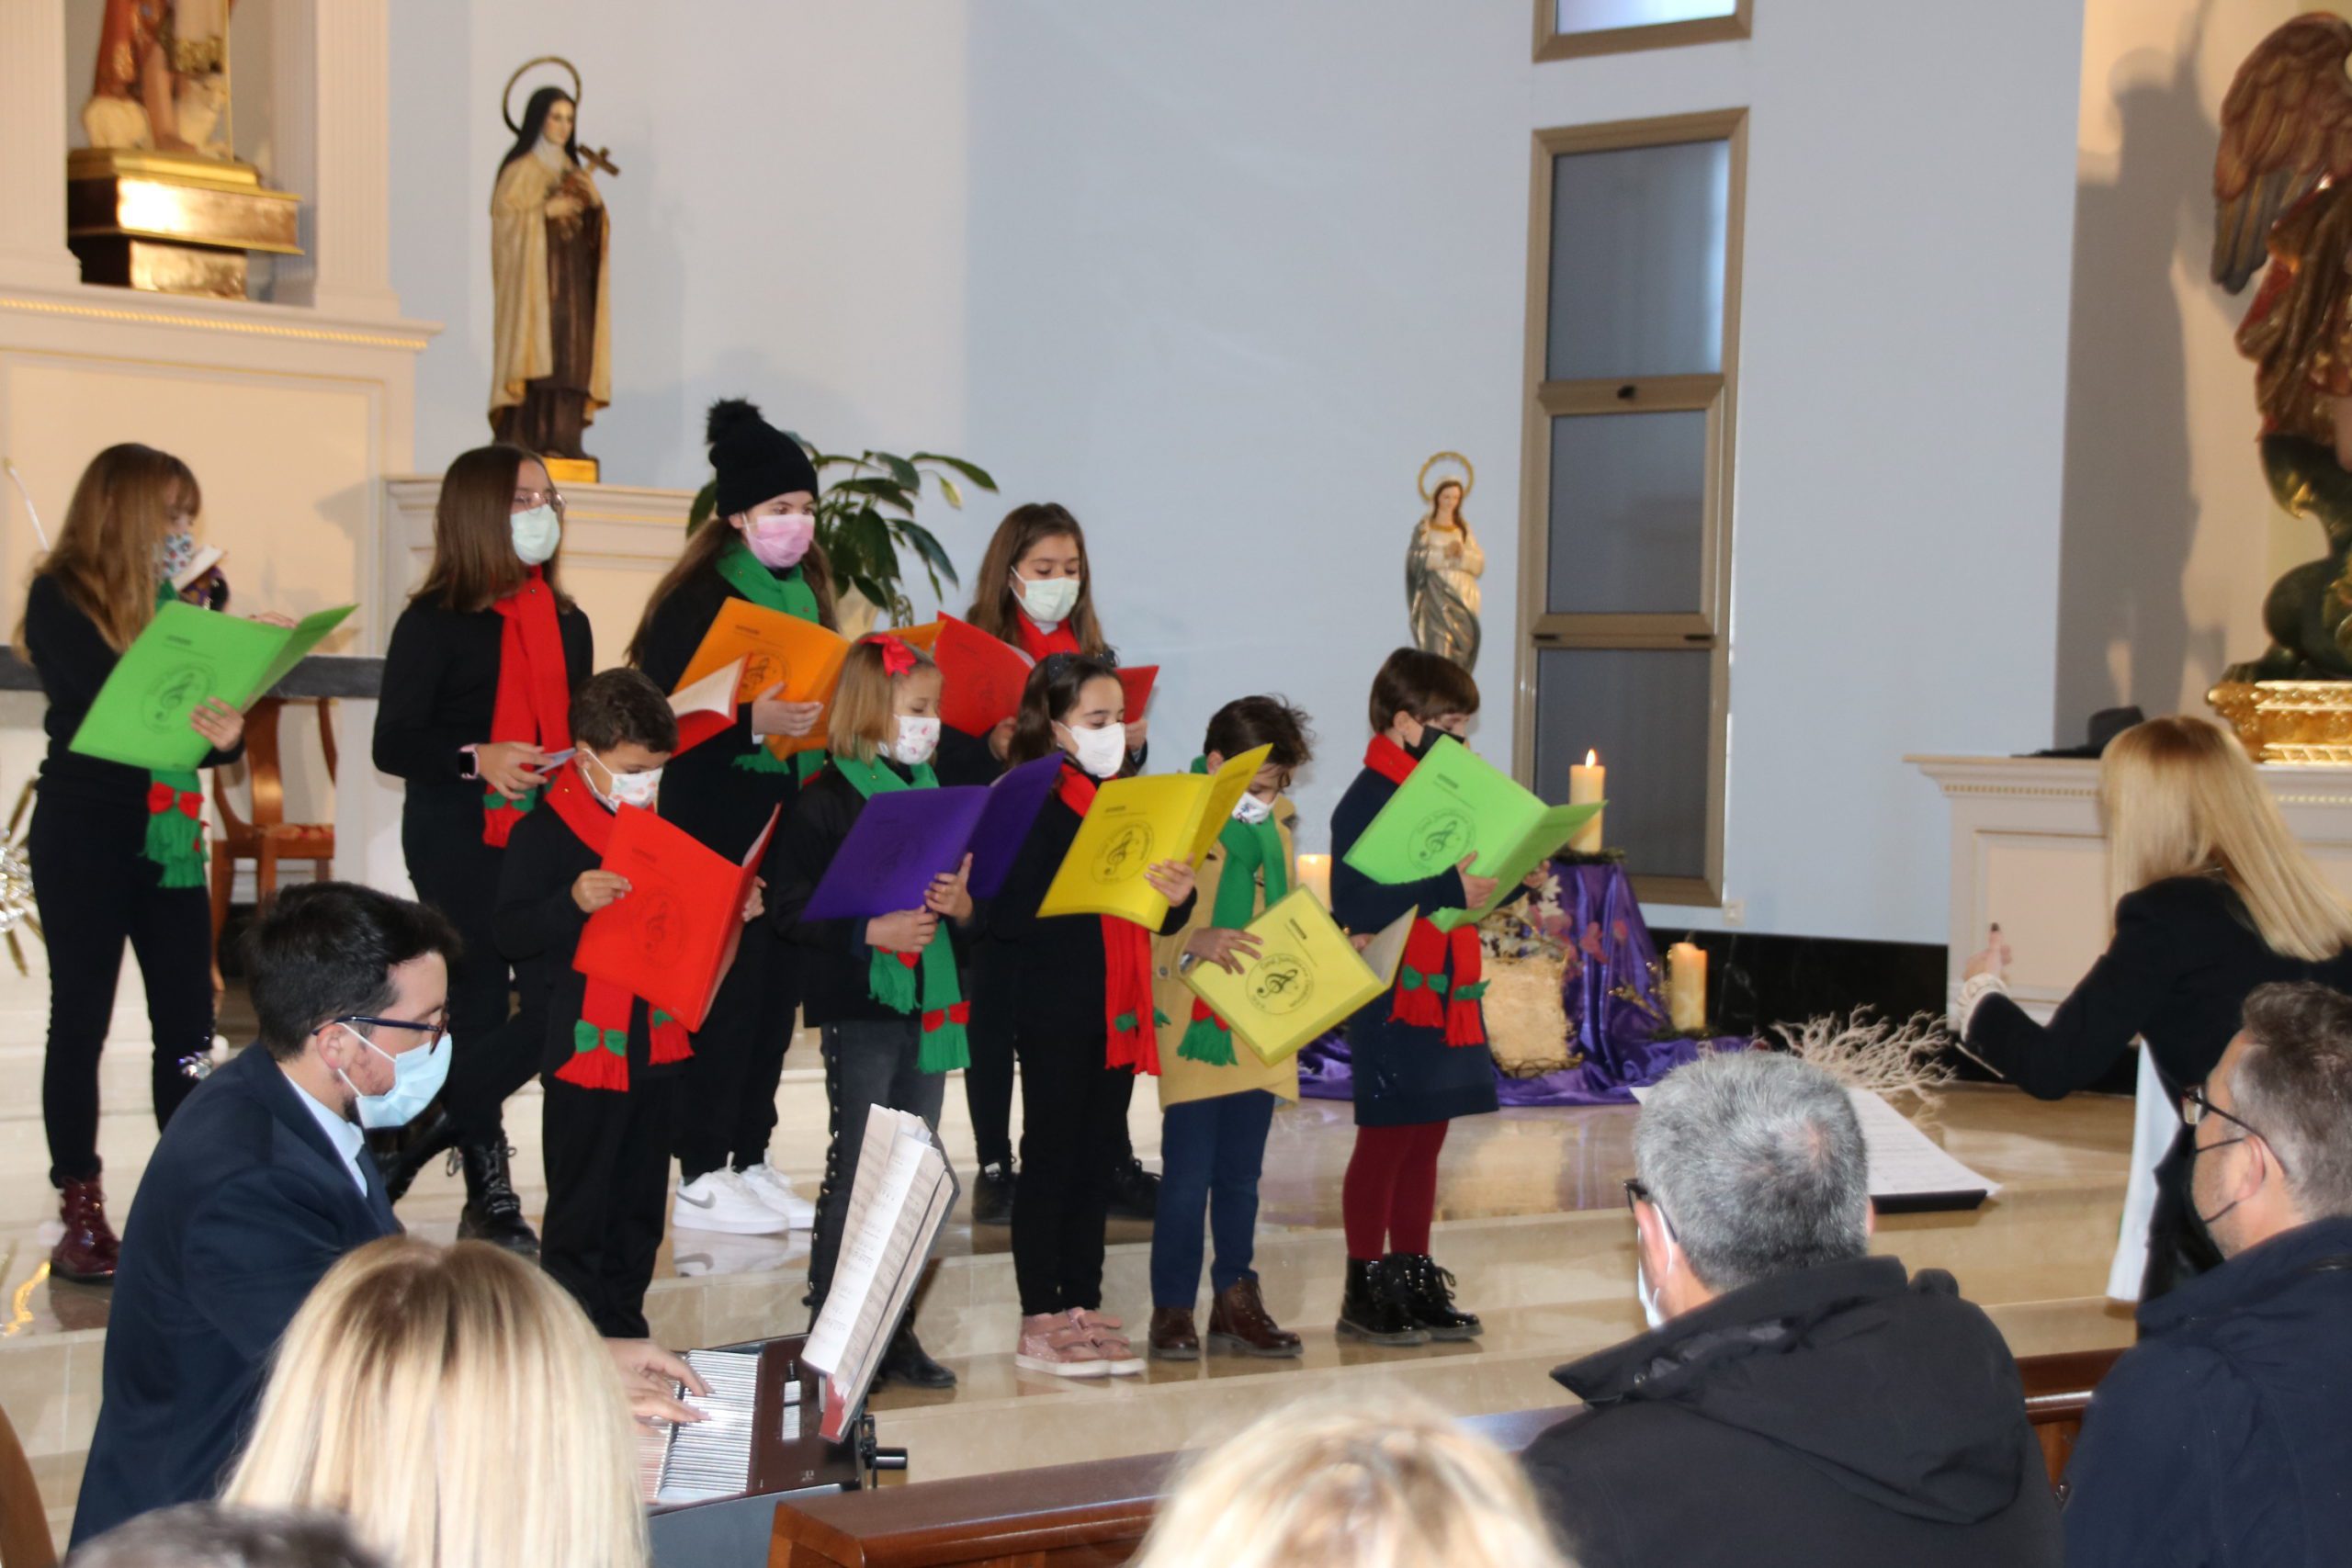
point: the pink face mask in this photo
(780, 541)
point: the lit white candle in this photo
(1315, 873)
(1686, 986)
(1587, 782)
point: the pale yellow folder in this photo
(1137, 823)
(1307, 977)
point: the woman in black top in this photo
(116, 853)
(760, 545)
(2217, 899)
(477, 683)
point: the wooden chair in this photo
(24, 1520)
(266, 837)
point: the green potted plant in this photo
(867, 517)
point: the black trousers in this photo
(726, 1108)
(1073, 1124)
(867, 1063)
(497, 1045)
(95, 889)
(989, 1080)
(608, 1187)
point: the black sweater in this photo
(837, 973)
(702, 790)
(1055, 963)
(440, 686)
(537, 928)
(73, 660)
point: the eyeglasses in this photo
(2195, 1108)
(525, 500)
(437, 1026)
(1638, 1193)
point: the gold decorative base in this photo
(572, 471)
(171, 223)
(2288, 721)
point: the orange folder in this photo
(672, 937)
(981, 677)
(773, 647)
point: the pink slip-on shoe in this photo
(1056, 1344)
(1118, 1357)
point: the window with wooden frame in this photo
(1566, 30)
(1633, 335)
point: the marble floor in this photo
(1531, 1220)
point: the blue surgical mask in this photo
(417, 1077)
(536, 534)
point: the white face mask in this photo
(1102, 753)
(916, 740)
(536, 534)
(1047, 601)
(1250, 811)
(628, 789)
(1652, 1312)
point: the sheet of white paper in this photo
(1905, 1162)
(2155, 1121)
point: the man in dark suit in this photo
(260, 1183)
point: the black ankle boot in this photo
(908, 1362)
(399, 1163)
(493, 1213)
(1371, 1312)
(992, 1195)
(1135, 1191)
(1426, 1293)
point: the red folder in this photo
(707, 708)
(981, 677)
(672, 937)
(1136, 680)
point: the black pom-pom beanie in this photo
(755, 461)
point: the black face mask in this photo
(1430, 735)
(2208, 1221)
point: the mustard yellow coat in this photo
(1180, 1079)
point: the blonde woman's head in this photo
(2182, 799)
(457, 1406)
(1392, 1484)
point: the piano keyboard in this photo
(702, 1459)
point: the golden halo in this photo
(506, 99)
(1469, 474)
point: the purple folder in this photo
(903, 840)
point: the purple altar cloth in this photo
(1608, 990)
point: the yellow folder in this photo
(773, 647)
(1307, 978)
(1137, 823)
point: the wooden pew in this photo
(1095, 1515)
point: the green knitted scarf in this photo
(891, 977)
(790, 596)
(1251, 848)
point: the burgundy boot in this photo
(87, 1249)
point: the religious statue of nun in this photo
(1442, 570)
(551, 365)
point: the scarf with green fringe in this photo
(174, 812)
(790, 595)
(600, 1034)
(1251, 848)
(891, 977)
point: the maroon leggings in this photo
(1391, 1190)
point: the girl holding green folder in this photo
(1217, 1099)
(116, 853)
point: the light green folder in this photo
(1307, 977)
(185, 655)
(1454, 803)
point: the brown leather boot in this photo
(1172, 1335)
(1238, 1320)
(87, 1250)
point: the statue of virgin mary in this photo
(1442, 570)
(551, 367)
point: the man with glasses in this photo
(2226, 1435)
(1797, 1400)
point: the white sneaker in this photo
(720, 1201)
(771, 1187)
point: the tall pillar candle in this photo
(1686, 986)
(1588, 783)
(1315, 873)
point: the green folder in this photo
(185, 655)
(1306, 979)
(1455, 804)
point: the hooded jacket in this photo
(1828, 1416)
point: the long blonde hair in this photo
(105, 555)
(1321, 1484)
(860, 722)
(2181, 799)
(457, 1406)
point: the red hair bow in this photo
(897, 657)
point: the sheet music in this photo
(1905, 1162)
(901, 1196)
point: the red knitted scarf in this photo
(1038, 643)
(534, 703)
(1441, 979)
(600, 1036)
(1127, 1014)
